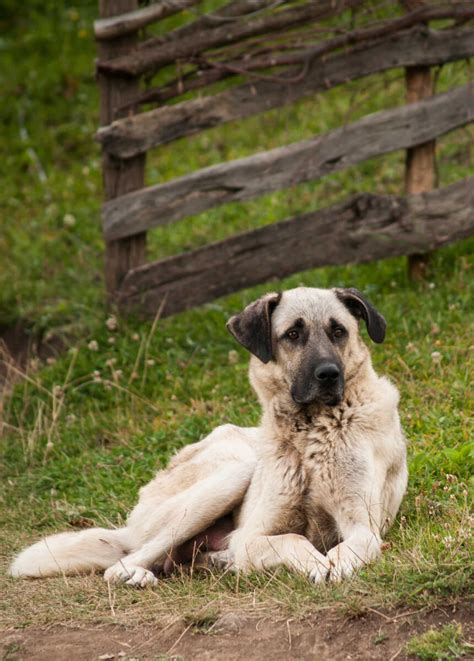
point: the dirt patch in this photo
(19, 343)
(324, 635)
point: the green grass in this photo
(438, 644)
(82, 434)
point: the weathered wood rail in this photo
(158, 54)
(283, 58)
(278, 168)
(364, 228)
(133, 135)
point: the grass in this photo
(83, 433)
(437, 644)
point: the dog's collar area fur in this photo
(293, 424)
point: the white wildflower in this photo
(57, 391)
(111, 323)
(436, 357)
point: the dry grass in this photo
(426, 562)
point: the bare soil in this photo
(324, 635)
(19, 343)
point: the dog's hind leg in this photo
(181, 517)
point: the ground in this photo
(327, 635)
(95, 403)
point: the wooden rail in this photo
(279, 168)
(158, 54)
(131, 21)
(133, 135)
(270, 55)
(364, 228)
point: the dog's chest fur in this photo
(319, 458)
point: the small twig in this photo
(57, 405)
(404, 365)
(246, 71)
(129, 392)
(178, 640)
(150, 335)
(392, 658)
(111, 599)
(289, 633)
(226, 19)
(373, 610)
(61, 571)
(144, 60)
(25, 376)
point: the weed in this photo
(203, 620)
(380, 638)
(438, 644)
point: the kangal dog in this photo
(314, 487)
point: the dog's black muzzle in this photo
(324, 383)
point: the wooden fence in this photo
(278, 46)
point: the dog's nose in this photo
(327, 373)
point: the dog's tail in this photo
(72, 553)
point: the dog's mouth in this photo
(335, 400)
(326, 399)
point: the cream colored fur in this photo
(312, 488)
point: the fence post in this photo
(119, 176)
(420, 165)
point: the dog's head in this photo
(309, 338)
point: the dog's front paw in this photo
(142, 578)
(342, 563)
(318, 571)
(130, 575)
(221, 560)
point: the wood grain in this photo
(128, 22)
(420, 161)
(154, 57)
(131, 136)
(120, 177)
(364, 228)
(245, 178)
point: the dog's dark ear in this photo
(253, 327)
(362, 309)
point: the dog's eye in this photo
(293, 334)
(338, 332)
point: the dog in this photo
(314, 487)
